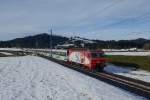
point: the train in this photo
(90, 59)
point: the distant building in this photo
(133, 49)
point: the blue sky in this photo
(96, 19)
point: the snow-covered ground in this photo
(10, 49)
(35, 78)
(129, 53)
(137, 74)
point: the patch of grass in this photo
(15, 53)
(2, 55)
(142, 62)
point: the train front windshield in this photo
(97, 55)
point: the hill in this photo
(43, 41)
(36, 41)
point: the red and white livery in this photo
(90, 59)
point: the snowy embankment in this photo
(129, 72)
(129, 53)
(35, 78)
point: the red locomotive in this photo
(90, 59)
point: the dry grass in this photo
(142, 62)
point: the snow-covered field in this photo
(35, 78)
(137, 74)
(107, 52)
(10, 49)
(129, 53)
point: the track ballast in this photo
(135, 86)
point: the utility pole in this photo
(51, 45)
(36, 44)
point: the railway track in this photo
(132, 85)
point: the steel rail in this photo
(137, 87)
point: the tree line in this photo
(43, 41)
